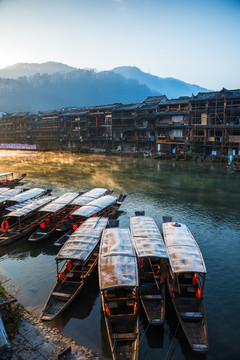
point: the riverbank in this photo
(32, 339)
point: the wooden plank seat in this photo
(152, 297)
(199, 347)
(188, 315)
(59, 294)
(112, 304)
(191, 289)
(124, 336)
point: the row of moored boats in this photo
(134, 265)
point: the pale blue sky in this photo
(194, 41)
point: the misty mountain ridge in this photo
(29, 69)
(35, 87)
(172, 88)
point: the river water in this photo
(203, 196)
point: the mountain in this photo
(170, 87)
(28, 69)
(51, 85)
(75, 88)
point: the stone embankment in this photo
(32, 339)
(35, 340)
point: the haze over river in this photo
(206, 197)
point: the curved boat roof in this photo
(59, 203)
(8, 194)
(26, 195)
(89, 196)
(183, 251)
(6, 174)
(34, 205)
(67, 197)
(147, 239)
(4, 189)
(117, 260)
(95, 206)
(83, 241)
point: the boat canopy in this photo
(34, 205)
(4, 189)
(117, 260)
(95, 206)
(183, 251)
(26, 195)
(6, 174)
(59, 203)
(8, 194)
(89, 196)
(67, 197)
(83, 241)
(147, 239)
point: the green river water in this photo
(206, 197)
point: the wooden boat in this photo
(79, 257)
(4, 342)
(234, 166)
(52, 215)
(152, 255)
(5, 196)
(185, 278)
(7, 179)
(106, 206)
(19, 198)
(22, 221)
(118, 279)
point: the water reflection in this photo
(205, 198)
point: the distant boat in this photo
(52, 215)
(234, 166)
(79, 256)
(4, 342)
(152, 255)
(15, 198)
(185, 278)
(21, 221)
(7, 179)
(118, 279)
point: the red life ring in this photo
(199, 293)
(4, 226)
(69, 265)
(107, 310)
(195, 279)
(62, 276)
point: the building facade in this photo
(209, 122)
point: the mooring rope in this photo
(172, 341)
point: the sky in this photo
(196, 41)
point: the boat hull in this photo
(123, 334)
(192, 317)
(65, 292)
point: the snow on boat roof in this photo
(117, 260)
(147, 239)
(6, 174)
(183, 251)
(59, 203)
(26, 195)
(95, 206)
(67, 197)
(8, 194)
(89, 196)
(34, 205)
(83, 241)
(4, 189)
